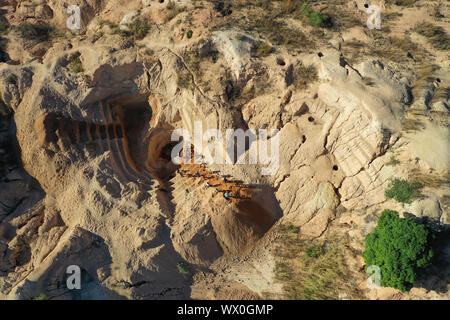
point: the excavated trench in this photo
(138, 152)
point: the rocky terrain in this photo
(85, 138)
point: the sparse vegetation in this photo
(434, 34)
(257, 86)
(396, 49)
(215, 56)
(442, 93)
(12, 79)
(42, 296)
(315, 18)
(399, 50)
(4, 28)
(425, 77)
(405, 3)
(392, 161)
(173, 10)
(261, 49)
(272, 28)
(433, 180)
(139, 28)
(299, 8)
(399, 247)
(313, 269)
(185, 79)
(182, 268)
(40, 32)
(290, 228)
(403, 191)
(314, 251)
(304, 75)
(189, 34)
(194, 60)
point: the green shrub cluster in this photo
(315, 18)
(314, 251)
(299, 8)
(403, 191)
(182, 268)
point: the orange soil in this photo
(240, 191)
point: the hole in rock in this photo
(281, 62)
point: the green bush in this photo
(399, 247)
(291, 229)
(316, 19)
(314, 251)
(189, 34)
(298, 8)
(182, 268)
(42, 296)
(215, 56)
(401, 2)
(403, 191)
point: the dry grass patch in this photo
(429, 179)
(313, 269)
(75, 66)
(304, 76)
(425, 78)
(397, 49)
(403, 3)
(435, 35)
(261, 49)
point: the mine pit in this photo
(122, 132)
